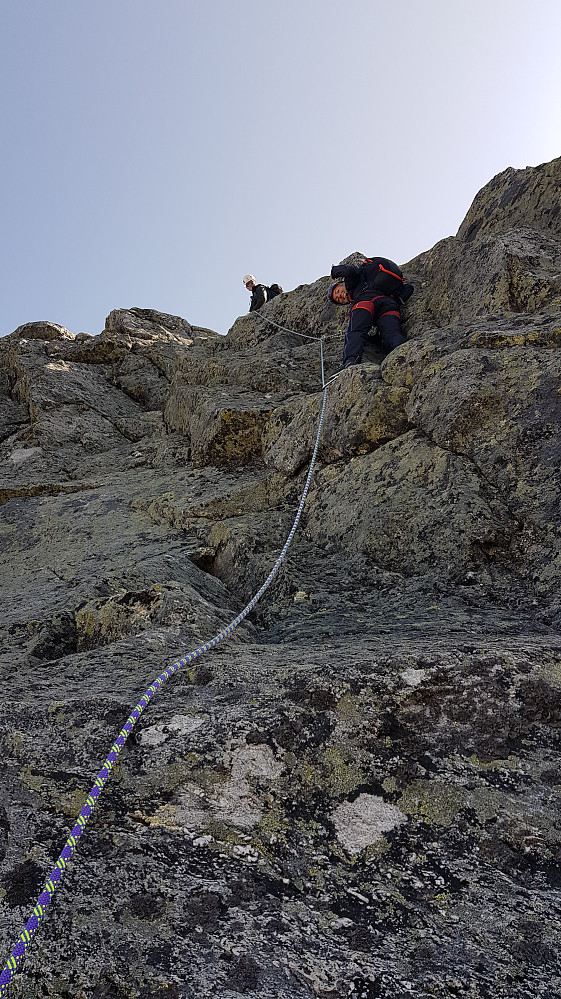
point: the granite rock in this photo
(357, 794)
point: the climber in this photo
(260, 293)
(376, 289)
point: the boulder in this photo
(42, 331)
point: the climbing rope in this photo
(19, 951)
(307, 336)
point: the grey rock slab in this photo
(507, 405)
(385, 504)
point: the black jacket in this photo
(376, 276)
(261, 294)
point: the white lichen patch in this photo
(185, 724)
(20, 454)
(255, 761)
(362, 822)
(178, 725)
(236, 801)
(413, 677)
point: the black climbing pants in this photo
(381, 311)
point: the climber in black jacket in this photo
(260, 293)
(376, 289)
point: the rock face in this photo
(358, 793)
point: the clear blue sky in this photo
(154, 151)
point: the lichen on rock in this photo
(357, 793)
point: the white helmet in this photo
(248, 278)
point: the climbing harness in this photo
(55, 876)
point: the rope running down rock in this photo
(52, 882)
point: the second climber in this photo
(260, 293)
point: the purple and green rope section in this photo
(51, 884)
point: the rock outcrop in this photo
(357, 794)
